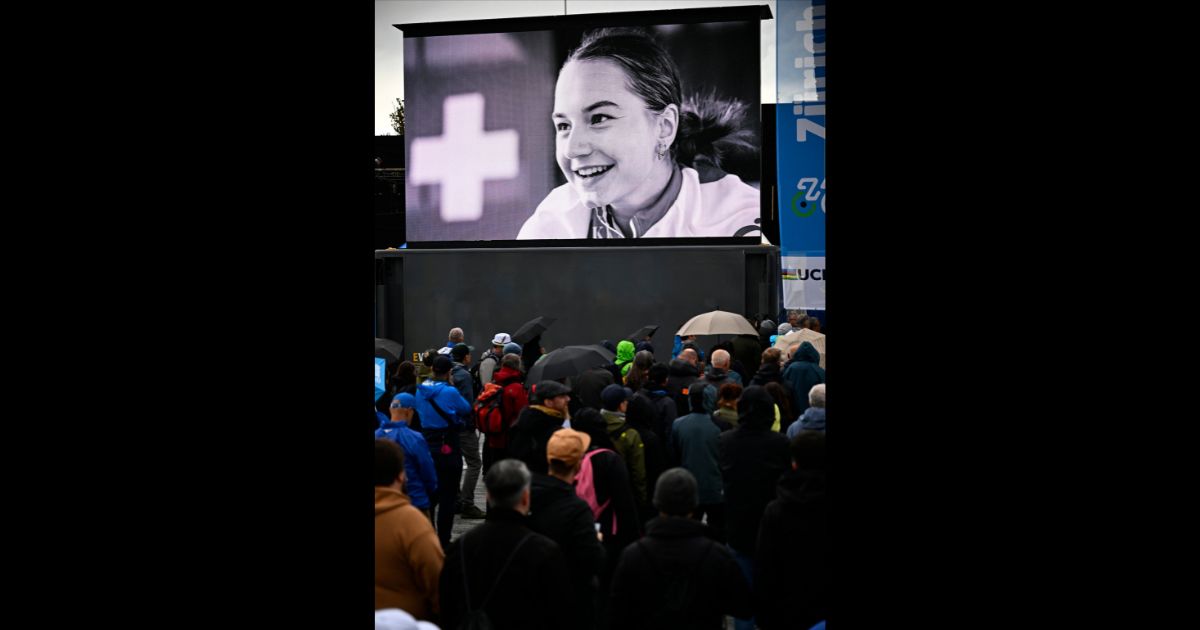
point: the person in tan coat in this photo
(408, 556)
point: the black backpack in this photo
(477, 618)
(679, 592)
(476, 383)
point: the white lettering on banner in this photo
(812, 192)
(812, 85)
(463, 157)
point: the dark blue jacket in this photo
(801, 373)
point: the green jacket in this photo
(624, 356)
(631, 449)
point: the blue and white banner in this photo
(380, 379)
(800, 141)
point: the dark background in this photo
(595, 293)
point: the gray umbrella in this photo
(717, 323)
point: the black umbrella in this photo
(389, 350)
(532, 328)
(569, 361)
(644, 331)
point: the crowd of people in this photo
(632, 495)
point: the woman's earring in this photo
(662, 151)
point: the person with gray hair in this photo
(717, 374)
(497, 567)
(456, 336)
(677, 576)
(813, 418)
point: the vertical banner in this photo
(380, 378)
(800, 142)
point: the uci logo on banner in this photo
(800, 142)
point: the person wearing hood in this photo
(408, 558)
(624, 360)
(792, 570)
(539, 420)
(443, 414)
(752, 458)
(813, 418)
(801, 373)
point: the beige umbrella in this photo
(717, 323)
(797, 337)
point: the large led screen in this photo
(597, 129)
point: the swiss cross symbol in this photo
(463, 157)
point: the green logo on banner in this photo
(809, 208)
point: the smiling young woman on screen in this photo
(638, 159)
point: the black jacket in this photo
(752, 458)
(791, 569)
(677, 577)
(768, 373)
(527, 441)
(537, 568)
(664, 409)
(557, 513)
(680, 374)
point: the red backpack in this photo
(489, 416)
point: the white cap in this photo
(501, 339)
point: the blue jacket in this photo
(421, 476)
(813, 419)
(450, 401)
